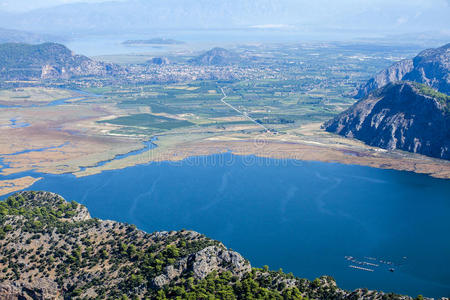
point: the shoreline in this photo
(263, 148)
(8, 186)
(393, 160)
(424, 168)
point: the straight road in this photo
(241, 112)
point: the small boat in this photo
(391, 270)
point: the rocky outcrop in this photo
(398, 116)
(430, 67)
(214, 258)
(49, 61)
(203, 262)
(392, 74)
(36, 290)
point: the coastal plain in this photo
(91, 129)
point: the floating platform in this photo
(360, 268)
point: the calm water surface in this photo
(304, 217)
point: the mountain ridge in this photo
(126, 16)
(430, 67)
(18, 36)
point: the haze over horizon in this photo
(370, 18)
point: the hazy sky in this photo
(24, 5)
(378, 17)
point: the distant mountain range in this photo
(307, 16)
(18, 36)
(430, 67)
(410, 115)
(48, 61)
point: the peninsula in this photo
(53, 249)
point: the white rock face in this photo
(214, 258)
(205, 261)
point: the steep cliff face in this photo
(53, 249)
(48, 61)
(430, 67)
(399, 116)
(394, 73)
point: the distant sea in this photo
(303, 217)
(195, 40)
(201, 40)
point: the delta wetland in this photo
(85, 125)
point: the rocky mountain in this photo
(394, 73)
(403, 115)
(334, 17)
(53, 249)
(430, 67)
(217, 57)
(48, 61)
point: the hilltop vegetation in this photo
(442, 98)
(51, 248)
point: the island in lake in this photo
(154, 41)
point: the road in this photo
(241, 112)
